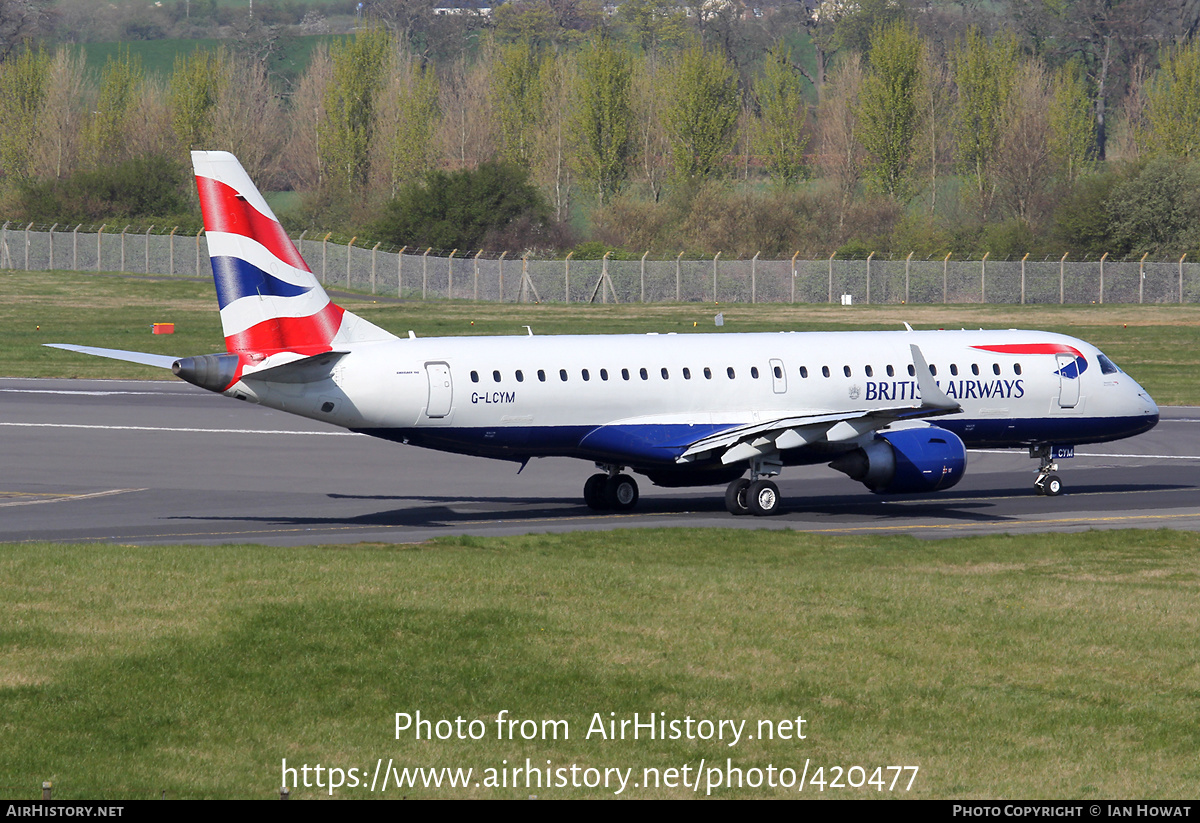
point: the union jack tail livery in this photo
(270, 301)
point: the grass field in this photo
(1157, 345)
(999, 666)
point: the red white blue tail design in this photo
(270, 301)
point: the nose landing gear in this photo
(1047, 482)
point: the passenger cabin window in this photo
(665, 376)
(604, 374)
(474, 377)
(1017, 368)
(891, 371)
(520, 376)
(642, 373)
(975, 368)
(729, 372)
(933, 369)
(778, 372)
(954, 369)
(562, 375)
(846, 370)
(624, 374)
(995, 368)
(687, 373)
(869, 371)
(804, 371)
(707, 373)
(496, 376)
(754, 372)
(586, 376)
(825, 370)
(542, 375)
(912, 370)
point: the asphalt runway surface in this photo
(165, 462)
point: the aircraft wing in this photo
(781, 434)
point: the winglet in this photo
(932, 397)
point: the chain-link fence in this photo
(424, 275)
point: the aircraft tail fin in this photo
(270, 301)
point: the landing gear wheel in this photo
(621, 492)
(593, 492)
(735, 497)
(1052, 486)
(762, 498)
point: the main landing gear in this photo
(756, 495)
(611, 491)
(1047, 482)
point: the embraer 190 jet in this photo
(894, 410)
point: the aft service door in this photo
(1068, 387)
(441, 390)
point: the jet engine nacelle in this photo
(910, 460)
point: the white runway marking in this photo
(65, 497)
(175, 430)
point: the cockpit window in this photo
(1107, 366)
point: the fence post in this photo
(324, 255)
(869, 256)
(123, 247)
(644, 276)
(477, 273)
(1181, 278)
(172, 242)
(198, 233)
(831, 276)
(30, 226)
(945, 270)
(1142, 275)
(754, 277)
(300, 243)
(4, 245)
(1062, 267)
(567, 277)
(374, 251)
(450, 276)
(400, 272)
(425, 271)
(604, 277)
(794, 256)
(1102, 277)
(52, 228)
(907, 261)
(1023, 259)
(148, 248)
(99, 245)
(678, 280)
(715, 257)
(75, 248)
(349, 249)
(500, 299)
(983, 277)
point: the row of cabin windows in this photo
(777, 371)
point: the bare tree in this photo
(1023, 160)
(839, 153)
(64, 108)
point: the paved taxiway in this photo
(165, 462)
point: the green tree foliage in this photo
(983, 74)
(889, 111)
(22, 89)
(602, 116)
(517, 99)
(1081, 218)
(468, 209)
(1072, 125)
(1173, 104)
(193, 91)
(141, 187)
(347, 127)
(1157, 211)
(781, 135)
(120, 93)
(655, 24)
(411, 115)
(702, 113)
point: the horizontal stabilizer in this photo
(159, 361)
(306, 370)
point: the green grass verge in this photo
(1157, 345)
(1000, 666)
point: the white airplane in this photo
(894, 410)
